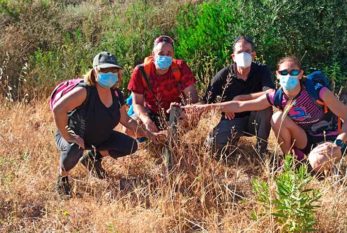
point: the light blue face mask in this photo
(107, 80)
(289, 82)
(163, 62)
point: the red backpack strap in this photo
(145, 78)
(175, 69)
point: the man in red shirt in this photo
(158, 82)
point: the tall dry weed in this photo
(200, 194)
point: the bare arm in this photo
(139, 109)
(339, 109)
(324, 155)
(252, 95)
(130, 123)
(66, 104)
(257, 104)
(191, 94)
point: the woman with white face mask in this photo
(85, 118)
(299, 116)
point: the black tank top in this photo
(93, 121)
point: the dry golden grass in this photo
(200, 195)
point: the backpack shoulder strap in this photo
(314, 82)
(176, 72)
(278, 98)
(313, 88)
(145, 79)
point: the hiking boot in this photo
(93, 164)
(63, 187)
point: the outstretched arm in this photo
(257, 104)
(252, 96)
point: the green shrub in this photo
(292, 204)
(42, 39)
(315, 31)
(205, 33)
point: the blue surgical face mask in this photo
(107, 80)
(163, 62)
(289, 82)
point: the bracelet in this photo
(342, 145)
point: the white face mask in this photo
(243, 60)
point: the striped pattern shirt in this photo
(307, 114)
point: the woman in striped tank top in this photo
(300, 124)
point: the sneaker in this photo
(63, 187)
(93, 164)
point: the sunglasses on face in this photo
(294, 72)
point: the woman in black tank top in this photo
(86, 117)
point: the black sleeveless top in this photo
(93, 121)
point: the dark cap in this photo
(163, 38)
(105, 60)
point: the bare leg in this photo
(288, 133)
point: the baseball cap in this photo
(105, 60)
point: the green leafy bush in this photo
(315, 31)
(292, 203)
(44, 41)
(205, 33)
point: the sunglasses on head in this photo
(166, 39)
(294, 72)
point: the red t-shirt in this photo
(164, 87)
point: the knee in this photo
(69, 161)
(212, 144)
(216, 140)
(70, 157)
(276, 119)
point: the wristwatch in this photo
(342, 145)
